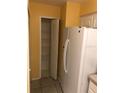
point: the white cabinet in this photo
(92, 87)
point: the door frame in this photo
(47, 17)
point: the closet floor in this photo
(45, 85)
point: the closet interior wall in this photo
(45, 44)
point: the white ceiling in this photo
(56, 2)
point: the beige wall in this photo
(37, 10)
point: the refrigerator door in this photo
(62, 65)
(73, 58)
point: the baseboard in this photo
(36, 78)
(59, 79)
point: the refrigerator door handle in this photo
(65, 55)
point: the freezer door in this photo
(61, 66)
(73, 60)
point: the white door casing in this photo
(54, 48)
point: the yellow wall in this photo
(72, 14)
(89, 6)
(37, 10)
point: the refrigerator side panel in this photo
(89, 58)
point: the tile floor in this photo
(46, 85)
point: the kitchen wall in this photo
(36, 10)
(88, 6)
(72, 14)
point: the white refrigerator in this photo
(79, 58)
